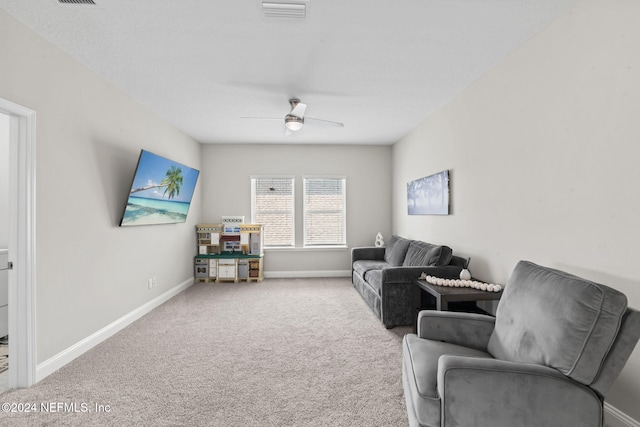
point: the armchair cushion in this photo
(552, 318)
(396, 250)
(422, 354)
(420, 372)
(422, 253)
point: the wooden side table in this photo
(446, 294)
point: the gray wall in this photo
(227, 191)
(90, 272)
(544, 153)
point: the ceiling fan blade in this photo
(324, 122)
(298, 110)
(263, 118)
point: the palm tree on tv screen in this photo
(172, 181)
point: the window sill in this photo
(305, 248)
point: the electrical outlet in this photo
(153, 282)
(150, 283)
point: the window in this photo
(324, 211)
(272, 204)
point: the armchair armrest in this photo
(373, 253)
(490, 392)
(466, 329)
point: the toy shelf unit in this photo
(208, 238)
(229, 253)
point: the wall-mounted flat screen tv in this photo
(161, 192)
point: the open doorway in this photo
(4, 251)
(17, 213)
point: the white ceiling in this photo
(379, 66)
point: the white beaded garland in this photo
(457, 283)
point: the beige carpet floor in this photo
(284, 352)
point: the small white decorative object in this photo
(379, 240)
(465, 274)
(488, 287)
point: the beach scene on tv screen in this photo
(161, 192)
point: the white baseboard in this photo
(304, 274)
(56, 362)
(613, 417)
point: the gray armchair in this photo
(548, 358)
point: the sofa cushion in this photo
(374, 279)
(422, 253)
(553, 318)
(396, 250)
(362, 266)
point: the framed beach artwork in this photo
(161, 191)
(429, 195)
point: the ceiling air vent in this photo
(77, 2)
(284, 10)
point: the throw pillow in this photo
(396, 250)
(422, 253)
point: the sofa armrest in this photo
(372, 253)
(490, 392)
(410, 274)
(466, 329)
(398, 292)
(458, 261)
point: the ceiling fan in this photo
(295, 120)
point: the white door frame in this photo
(22, 243)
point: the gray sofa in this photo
(384, 276)
(548, 358)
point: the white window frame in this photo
(253, 180)
(305, 210)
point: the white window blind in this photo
(324, 203)
(272, 204)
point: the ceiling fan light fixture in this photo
(293, 123)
